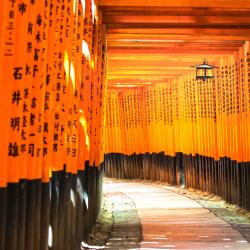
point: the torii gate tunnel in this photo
(91, 88)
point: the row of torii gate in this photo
(89, 88)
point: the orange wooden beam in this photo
(184, 37)
(184, 31)
(178, 3)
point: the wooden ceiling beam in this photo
(148, 69)
(172, 31)
(125, 79)
(185, 37)
(125, 50)
(153, 77)
(131, 80)
(175, 45)
(173, 11)
(143, 57)
(177, 3)
(113, 19)
(114, 64)
(157, 73)
(178, 25)
(166, 37)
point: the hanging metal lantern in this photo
(204, 71)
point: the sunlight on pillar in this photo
(94, 12)
(66, 66)
(50, 238)
(83, 5)
(92, 64)
(85, 50)
(83, 122)
(72, 75)
(75, 6)
(72, 198)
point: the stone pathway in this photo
(235, 216)
(126, 231)
(118, 225)
(169, 219)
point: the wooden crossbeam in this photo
(173, 19)
(139, 12)
(184, 37)
(184, 31)
(141, 50)
(178, 3)
(161, 39)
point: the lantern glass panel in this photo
(209, 73)
(200, 72)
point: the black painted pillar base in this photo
(3, 216)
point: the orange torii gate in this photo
(61, 112)
(52, 92)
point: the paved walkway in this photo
(172, 221)
(126, 230)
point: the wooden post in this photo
(22, 215)
(45, 215)
(3, 217)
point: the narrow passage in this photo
(169, 220)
